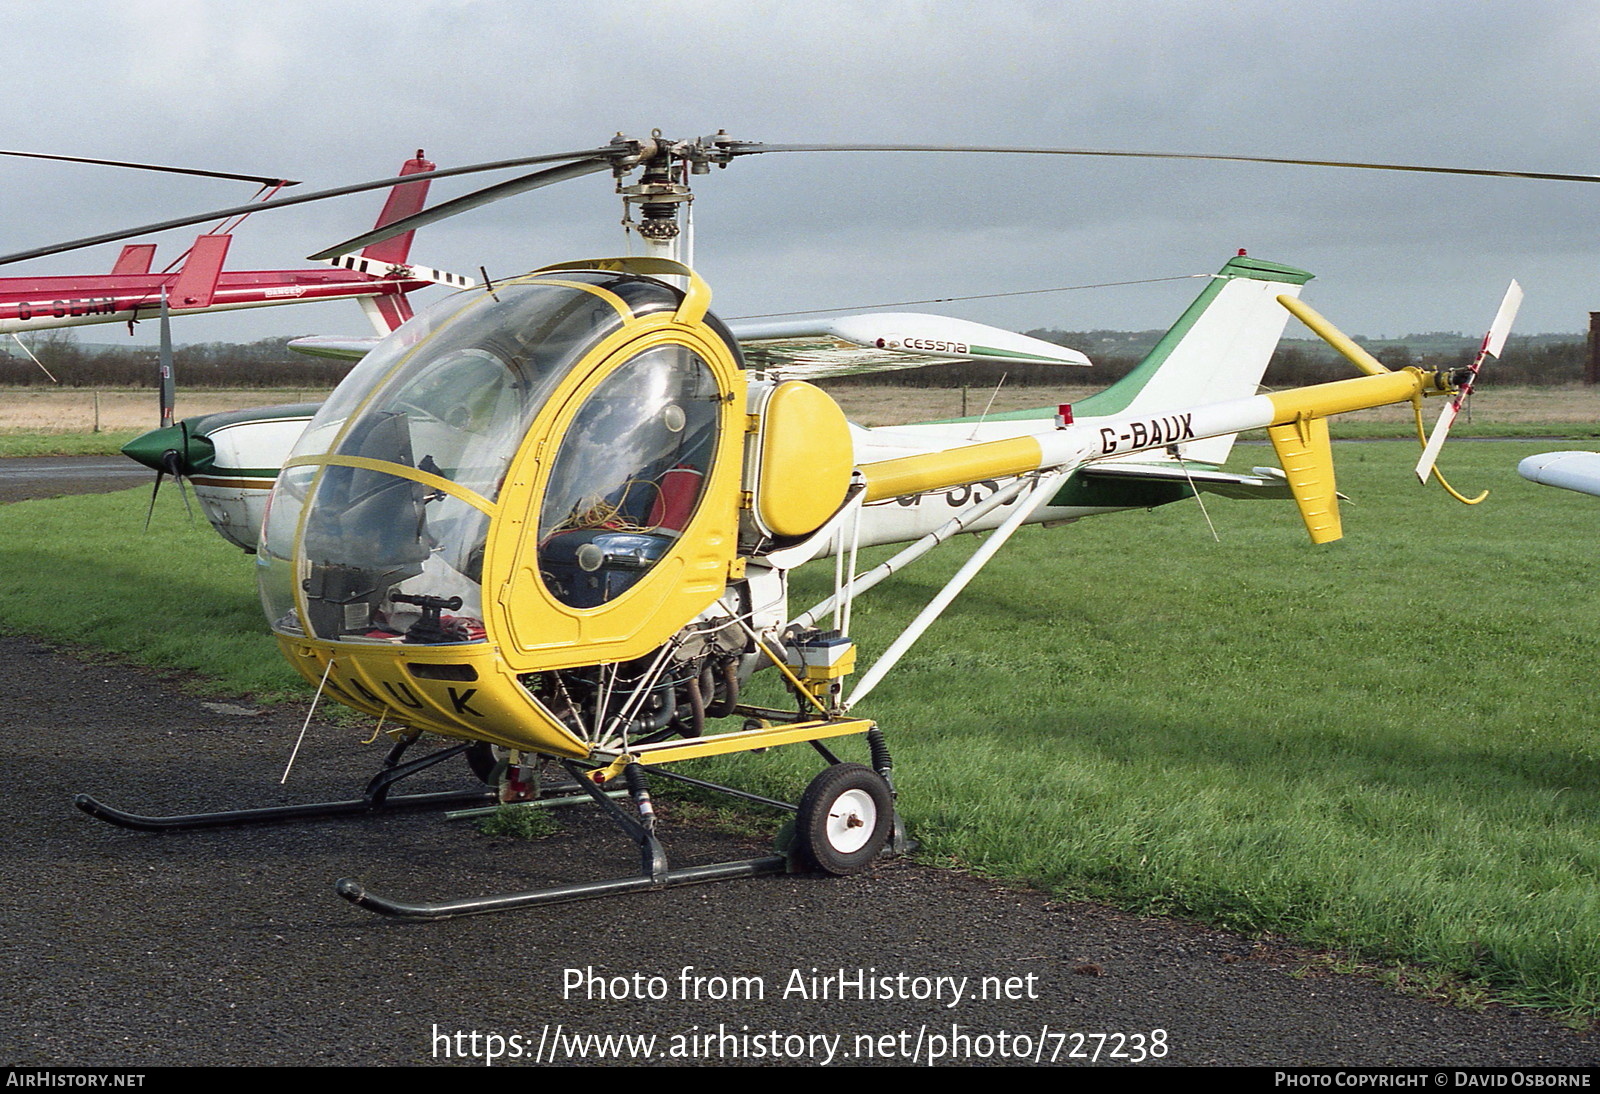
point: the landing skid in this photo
(654, 871)
(844, 821)
(375, 799)
(273, 815)
(355, 893)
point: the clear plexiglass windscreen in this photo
(363, 554)
(628, 475)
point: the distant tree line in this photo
(268, 363)
(1533, 360)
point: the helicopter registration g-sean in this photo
(554, 518)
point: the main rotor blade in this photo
(738, 148)
(461, 204)
(262, 179)
(300, 199)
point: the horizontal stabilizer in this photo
(881, 341)
(391, 271)
(1227, 484)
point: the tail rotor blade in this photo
(1493, 343)
(1441, 430)
(1500, 329)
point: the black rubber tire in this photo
(484, 762)
(844, 821)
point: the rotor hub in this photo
(663, 188)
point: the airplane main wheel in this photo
(844, 819)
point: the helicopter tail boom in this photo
(1295, 421)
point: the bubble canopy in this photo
(378, 526)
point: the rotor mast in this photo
(657, 208)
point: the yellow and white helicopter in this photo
(554, 517)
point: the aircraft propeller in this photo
(170, 461)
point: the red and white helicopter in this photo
(554, 518)
(378, 278)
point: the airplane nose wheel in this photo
(844, 820)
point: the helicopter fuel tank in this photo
(527, 480)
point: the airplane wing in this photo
(812, 348)
(880, 341)
(340, 349)
(1578, 471)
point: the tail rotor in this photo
(1493, 344)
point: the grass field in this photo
(40, 421)
(49, 421)
(1385, 746)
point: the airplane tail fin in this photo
(388, 312)
(1217, 350)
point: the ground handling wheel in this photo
(486, 762)
(844, 820)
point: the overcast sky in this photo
(335, 92)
